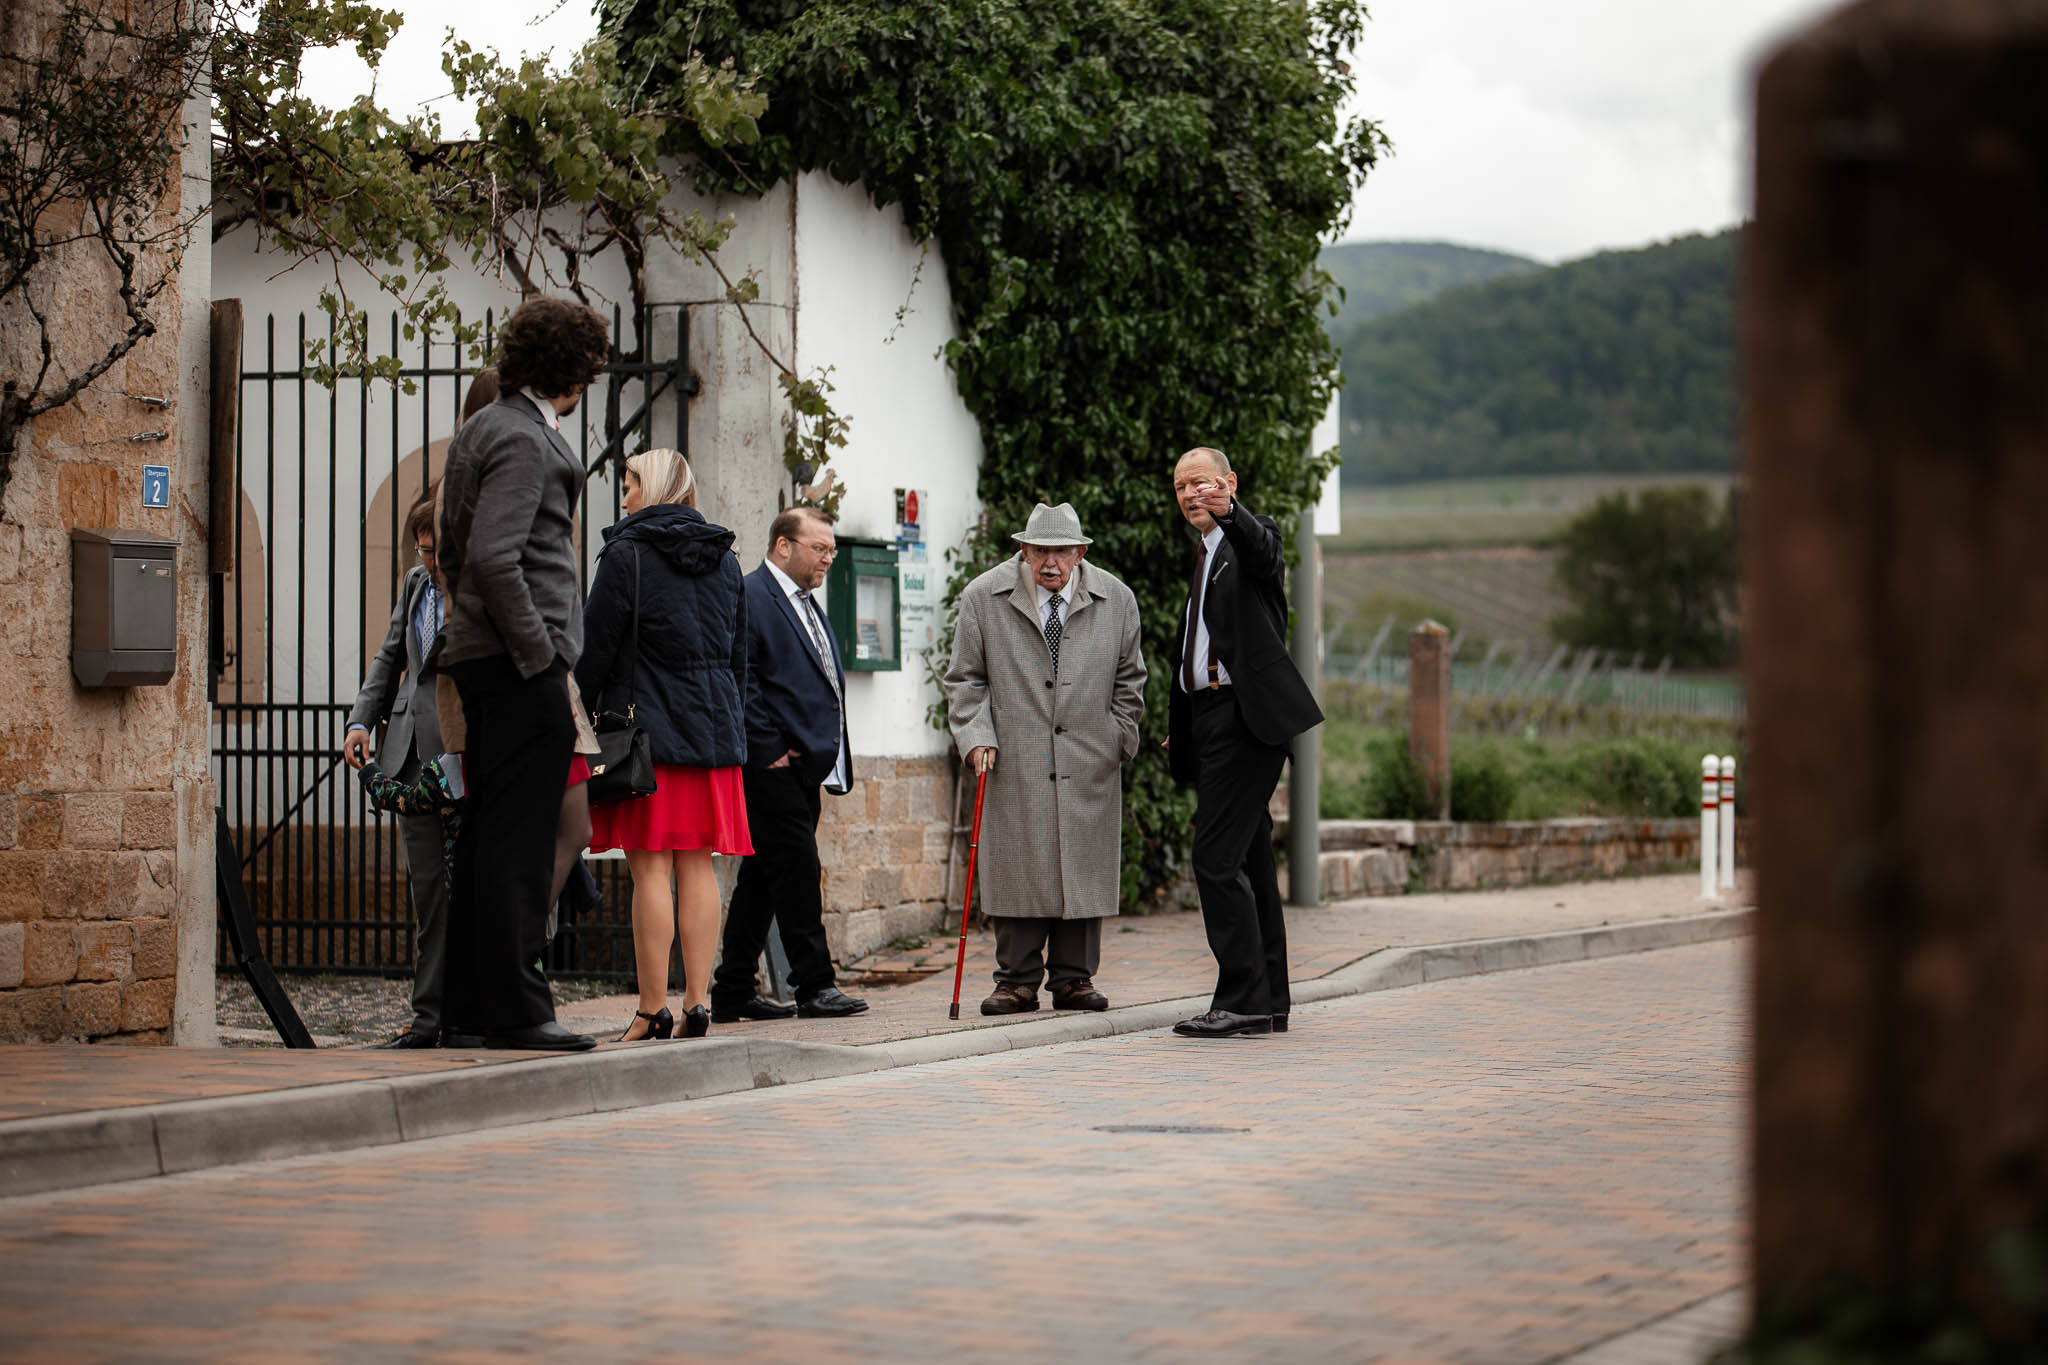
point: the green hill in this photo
(1622, 362)
(1383, 277)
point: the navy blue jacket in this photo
(790, 702)
(693, 636)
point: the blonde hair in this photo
(665, 476)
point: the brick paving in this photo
(1497, 1169)
(1145, 958)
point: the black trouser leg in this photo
(778, 882)
(429, 878)
(1020, 950)
(1073, 950)
(515, 767)
(1234, 857)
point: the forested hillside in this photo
(1382, 277)
(1620, 362)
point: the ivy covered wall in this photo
(1128, 197)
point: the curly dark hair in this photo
(552, 346)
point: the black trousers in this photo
(1234, 857)
(778, 883)
(514, 769)
(1059, 952)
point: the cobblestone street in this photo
(1500, 1169)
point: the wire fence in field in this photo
(1556, 673)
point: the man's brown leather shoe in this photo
(1080, 995)
(1010, 1000)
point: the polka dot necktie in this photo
(1053, 630)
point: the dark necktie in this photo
(809, 611)
(1053, 631)
(1187, 658)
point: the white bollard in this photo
(1726, 818)
(1710, 839)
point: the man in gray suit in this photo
(515, 628)
(400, 688)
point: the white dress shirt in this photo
(810, 622)
(1201, 627)
(547, 410)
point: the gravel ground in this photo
(344, 1011)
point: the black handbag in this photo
(623, 766)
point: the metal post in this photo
(1305, 775)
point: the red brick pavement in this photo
(1494, 1169)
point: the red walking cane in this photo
(967, 901)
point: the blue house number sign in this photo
(156, 485)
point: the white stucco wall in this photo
(856, 268)
(833, 272)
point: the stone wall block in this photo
(926, 881)
(156, 948)
(10, 822)
(843, 888)
(894, 807)
(142, 885)
(883, 886)
(49, 953)
(92, 1010)
(10, 553)
(937, 837)
(147, 1004)
(92, 820)
(41, 819)
(32, 1016)
(13, 941)
(149, 820)
(21, 886)
(105, 951)
(76, 884)
(906, 844)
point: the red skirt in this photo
(690, 808)
(579, 769)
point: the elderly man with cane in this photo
(1045, 691)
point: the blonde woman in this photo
(688, 694)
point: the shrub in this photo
(1641, 776)
(1482, 786)
(1393, 784)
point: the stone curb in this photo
(69, 1151)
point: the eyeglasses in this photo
(820, 549)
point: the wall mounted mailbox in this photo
(124, 608)
(864, 602)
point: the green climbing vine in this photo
(1128, 196)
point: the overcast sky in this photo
(1552, 129)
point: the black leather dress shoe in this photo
(548, 1037)
(450, 1038)
(830, 1003)
(1279, 1023)
(411, 1038)
(760, 1007)
(1224, 1024)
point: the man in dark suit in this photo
(514, 629)
(1237, 704)
(400, 687)
(796, 744)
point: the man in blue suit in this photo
(796, 745)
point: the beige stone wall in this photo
(1390, 857)
(105, 808)
(883, 846)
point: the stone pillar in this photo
(1429, 712)
(1895, 439)
(1305, 766)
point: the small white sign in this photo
(156, 485)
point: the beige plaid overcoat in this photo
(1052, 830)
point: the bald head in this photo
(1204, 486)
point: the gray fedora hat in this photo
(1052, 526)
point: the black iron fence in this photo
(326, 476)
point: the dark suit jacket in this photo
(399, 684)
(790, 702)
(1245, 608)
(508, 540)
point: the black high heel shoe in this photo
(696, 1022)
(660, 1024)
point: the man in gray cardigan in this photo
(514, 629)
(1047, 677)
(400, 687)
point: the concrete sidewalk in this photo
(79, 1115)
